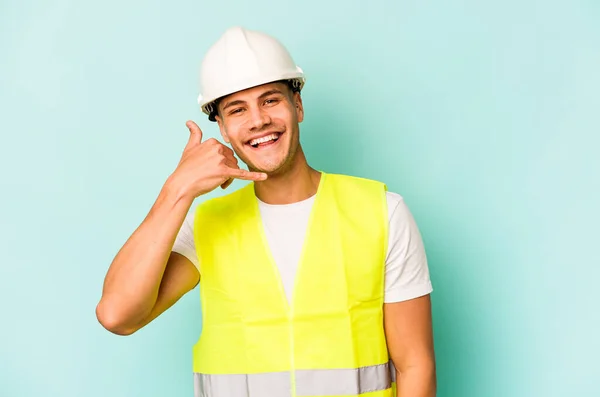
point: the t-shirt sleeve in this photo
(184, 242)
(407, 272)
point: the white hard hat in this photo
(242, 59)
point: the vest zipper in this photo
(292, 368)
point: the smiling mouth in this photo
(265, 140)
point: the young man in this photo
(312, 284)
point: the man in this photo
(312, 284)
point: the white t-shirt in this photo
(406, 274)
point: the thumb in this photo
(195, 133)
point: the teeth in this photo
(263, 139)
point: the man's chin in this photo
(269, 169)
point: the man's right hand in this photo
(146, 278)
(206, 165)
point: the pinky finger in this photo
(246, 175)
(226, 184)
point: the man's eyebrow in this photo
(270, 92)
(233, 103)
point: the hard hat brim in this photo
(207, 104)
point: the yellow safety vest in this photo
(330, 340)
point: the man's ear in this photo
(222, 128)
(299, 106)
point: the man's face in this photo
(261, 124)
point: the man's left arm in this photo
(407, 304)
(408, 328)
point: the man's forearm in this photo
(416, 381)
(133, 279)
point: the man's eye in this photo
(238, 110)
(271, 101)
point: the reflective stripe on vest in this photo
(276, 384)
(324, 382)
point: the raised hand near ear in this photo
(206, 165)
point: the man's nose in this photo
(259, 118)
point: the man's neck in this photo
(296, 184)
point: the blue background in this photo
(484, 115)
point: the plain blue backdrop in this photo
(484, 115)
